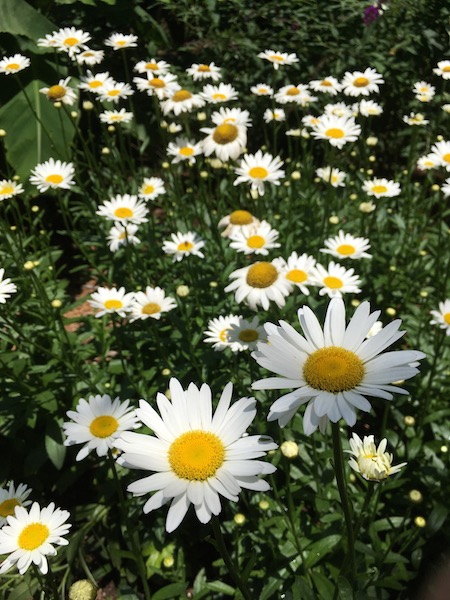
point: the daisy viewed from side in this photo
(150, 304)
(278, 58)
(445, 188)
(9, 188)
(329, 85)
(335, 280)
(196, 456)
(10, 497)
(339, 109)
(183, 244)
(368, 108)
(332, 176)
(297, 269)
(13, 64)
(181, 101)
(90, 57)
(361, 83)
(204, 71)
(116, 116)
(345, 245)
(121, 235)
(246, 334)
(113, 91)
(441, 317)
(424, 91)
(7, 287)
(337, 130)
(374, 464)
(152, 67)
(111, 300)
(124, 209)
(238, 220)
(332, 369)
(258, 169)
(95, 82)
(183, 150)
(161, 86)
(97, 422)
(30, 536)
(151, 188)
(53, 174)
(258, 240)
(228, 138)
(119, 41)
(291, 93)
(441, 153)
(215, 94)
(381, 188)
(415, 119)
(61, 92)
(443, 69)
(262, 89)
(277, 114)
(429, 161)
(218, 330)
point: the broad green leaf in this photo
(55, 451)
(19, 18)
(170, 592)
(319, 549)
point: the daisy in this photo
(119, 41)
(368, 108)
(338, 109)
(337, 130)
(116, 116)
(424, 91)
(13, 64)
(150, 304)
(29, 537)
(151, 188)
(443, 69)
(9, 188)
(334, 369)
(184, 150)
(345, 245)
(381, 188)
(61, 92)
(278, 58)
(332, 176)
(97, 423)
(260, 283)
(430, 161)
(258, 240)
(47, 42)
(152, 67)
(441, 152)
(121, 235)
(415, 119)
(245, 334)
(6, 287)
(70, 40)
(329, 85)
(202, 71)
(228, 138)
(181, 101)
(113, 91)
(297, 270)
(161, 86)
(95, 83)
(361, 83)
(197, 456)
(90, 57)
(445, 189)
(124, 209)
(182, 245)
(262, 89)
(441, 317)
(374, 464)
(291, 93)
(238, 220)
(277, 114)
(111, 300)
(214, 94)
(218, 330)
(335, 280)
(53, 174)
(310, 121)
(235, 116)
(12, 497)
(259, 168)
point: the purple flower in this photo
(371, 14)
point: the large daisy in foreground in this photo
(196, 456)
(334, 369)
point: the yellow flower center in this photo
(56, 178)
(148, 189)
(123, 235)
(333, 370)
(333, 283)
(8, 506)
(95, 84)
(156, 82)
(293, 91)
(218, 96)
(223, 335)
(185, 246)
(261, 275)
(105, 425)
(225, 134)
(446, 317)
(181, 95)
(151, 66)
(56, 92)
(71, 41)
(241, 217)
(262, 90)
(7, 189)
(113, 92)
(361, 82)
(88, 54)
(116, 117)
(151, 308)
(121, 43)
(379, 189)
(33, 536)
(297, 276)
(326, 83)
(248, 335)
(334, 132)
(12, 67)
(123, 212)
(258, 172)
(255, 241)
(186, 151)
(113, 304)
(346, 249)
(446, 69)
(196, 455)
(203, 69)
(446, 157)
(276, 57)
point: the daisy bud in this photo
(204, 174)
(439, 138)
(165, 165)
(88, 105)
(35, 208)
(28, 265)
(56, 303)
(201, 116)
(289, 449)
(423, 293)
(444, 449)
(163, 124)
(16, 178)
(435, 187)
(367, 207)
(13, 227)
(57, 104)
(415, 496)
(409, 421)
(74, 114)
(106, 151)
(420, 522)
(355, 197)
(213, 284)
(264, 505)
(372, 141)
(391, 311)
(334, 219)
(2, 133)
(372, 158)
(111, 129)
(168, 562)
(182, 291)
(392, 268)
(369, 171)
(82, 590)
(296, 175)
(355, 302)
(165, 372)
(239, 519)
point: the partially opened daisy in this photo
(124, 209)
(151, 188)
(257, 240)
(424, 91)
(53, 174)
(417, 119)
(238, 220)
(339, 109)
(277, 114)
(184, 150)
(332, 176)
(150, 304)
(297, 269)
(119, 41)
(291, 93)
(218, 330)
(337, 130)
(204, 71)
(183, 244)
(90, 57)
(196, 456)
(181, 101)
(374, 464)
(121, 235)
(443, 69)
(111, 300)
(6, 287)
(97, 423)
(361, 83)
(29, 537)
(12, 496)
(441, 317)
(70, 40)
(258, 169)
(262, 89)
(9, 188)
(368, 108)
(60, 92)
(246, 334)
(152, 67)
(345, 245)
(278, 58)
(332, 369)
(335, 280)
(116, 116)
(381, 188)
(214, 94)
(328, 85)
(13, 64)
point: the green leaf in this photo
(345, 589)
(221, 588)
(321, 548)
(170, 592)
(55, 451)
(19, 18)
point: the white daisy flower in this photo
(278, 58)
(203, 71)
(329, 85)
(337, 130)
(181, 101)
(119, 41)
(150, 304)
(13, 64)
(262, 89)
(441, 317)
(124, 209)
(291, 93)
(335, 280)
(277, 114)
(70, 40)
(90, 57)
(215, 94)
(161, 86)
(235, 116)
(246, 334)
(197, 456)
(53, 174)
(445, 189)
(228, 138)
(152, 67)
(441, 152)
(415, 119)
(297, 133)
(332, 176)
(443, 69)
(361, 83)
(218, 330)
(61, 92)
(183, 150)
(310, 121)
(256, 240)
(381, 188)
(182, 245)
(339, 109)
(113, 91)
(9, 189)
(121, 235)
(29, 537)
(6, 287)
(446, 108)
(97, 423)
(238, 220)
(259, 284)
(10, 497)
(259, 168)
(424, 91)
(374, 464)
(111, 300)
(95, 82)
(332, 369)
(430, 161)
(116, 116)
(368, 108)
(297, 270)
(345, 245)
(151, 188)
(48, 41)
(376, 328)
